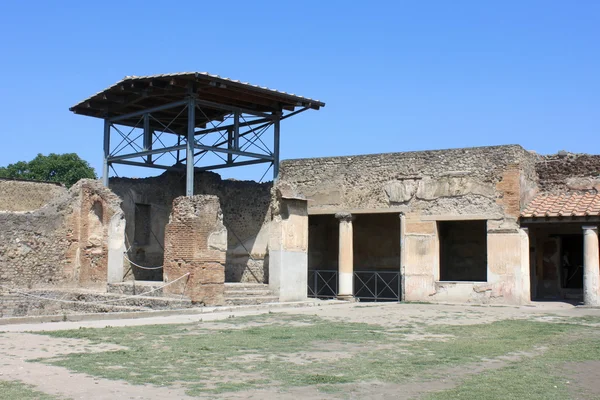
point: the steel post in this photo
(189, 174)
(147, 137)
(276, 130)
(229, 145)
(236, 131)
(105, 164)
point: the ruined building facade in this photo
(479, 225)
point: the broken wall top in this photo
(455, 181)
(567, 172)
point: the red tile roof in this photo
(563, 205)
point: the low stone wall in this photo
(19, 195)
(61, 302)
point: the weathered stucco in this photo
(288, 246)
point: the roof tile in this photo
(568, 204)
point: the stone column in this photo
(591, 266)
(402, 256)
(525, 270)
(346, 258)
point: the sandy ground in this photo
(17, 346)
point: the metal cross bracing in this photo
(368, 285)
(240, 137)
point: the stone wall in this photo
(64, 243)
(455, 181)
(196, 244)
(246, 214)
(18, 195)
(490, 184)
(563, 172)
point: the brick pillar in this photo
(196, 243)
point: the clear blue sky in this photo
(396, 76)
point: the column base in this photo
(347, 297)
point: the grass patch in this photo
(11, 390)
(531, 379)
(275, 350)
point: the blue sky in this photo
(396, 76)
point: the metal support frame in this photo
(147, 137)
(236, 131)
(229, 145)
(158, 143)
(276, 127)
(105, 163)
(189, 173)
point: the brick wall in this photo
(196, 243)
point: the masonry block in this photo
(196, 244)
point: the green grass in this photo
(260, 355)
(12, 390)
(535, 378)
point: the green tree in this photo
(64, 168)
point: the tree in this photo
(64, 168)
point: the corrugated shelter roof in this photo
(135, 93)
(563, 205)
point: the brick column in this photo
(196, 244)
(346, 258)
(591, 266)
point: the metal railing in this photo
(322, 284)
(368, 285)
(377, 285)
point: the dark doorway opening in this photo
(572, 262)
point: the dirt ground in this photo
(19, 346)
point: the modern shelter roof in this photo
(135, 93)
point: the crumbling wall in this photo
(18, 195)
(455, 181)
(196, 244)
(564, 172)
(64, 243)
(246, 215)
